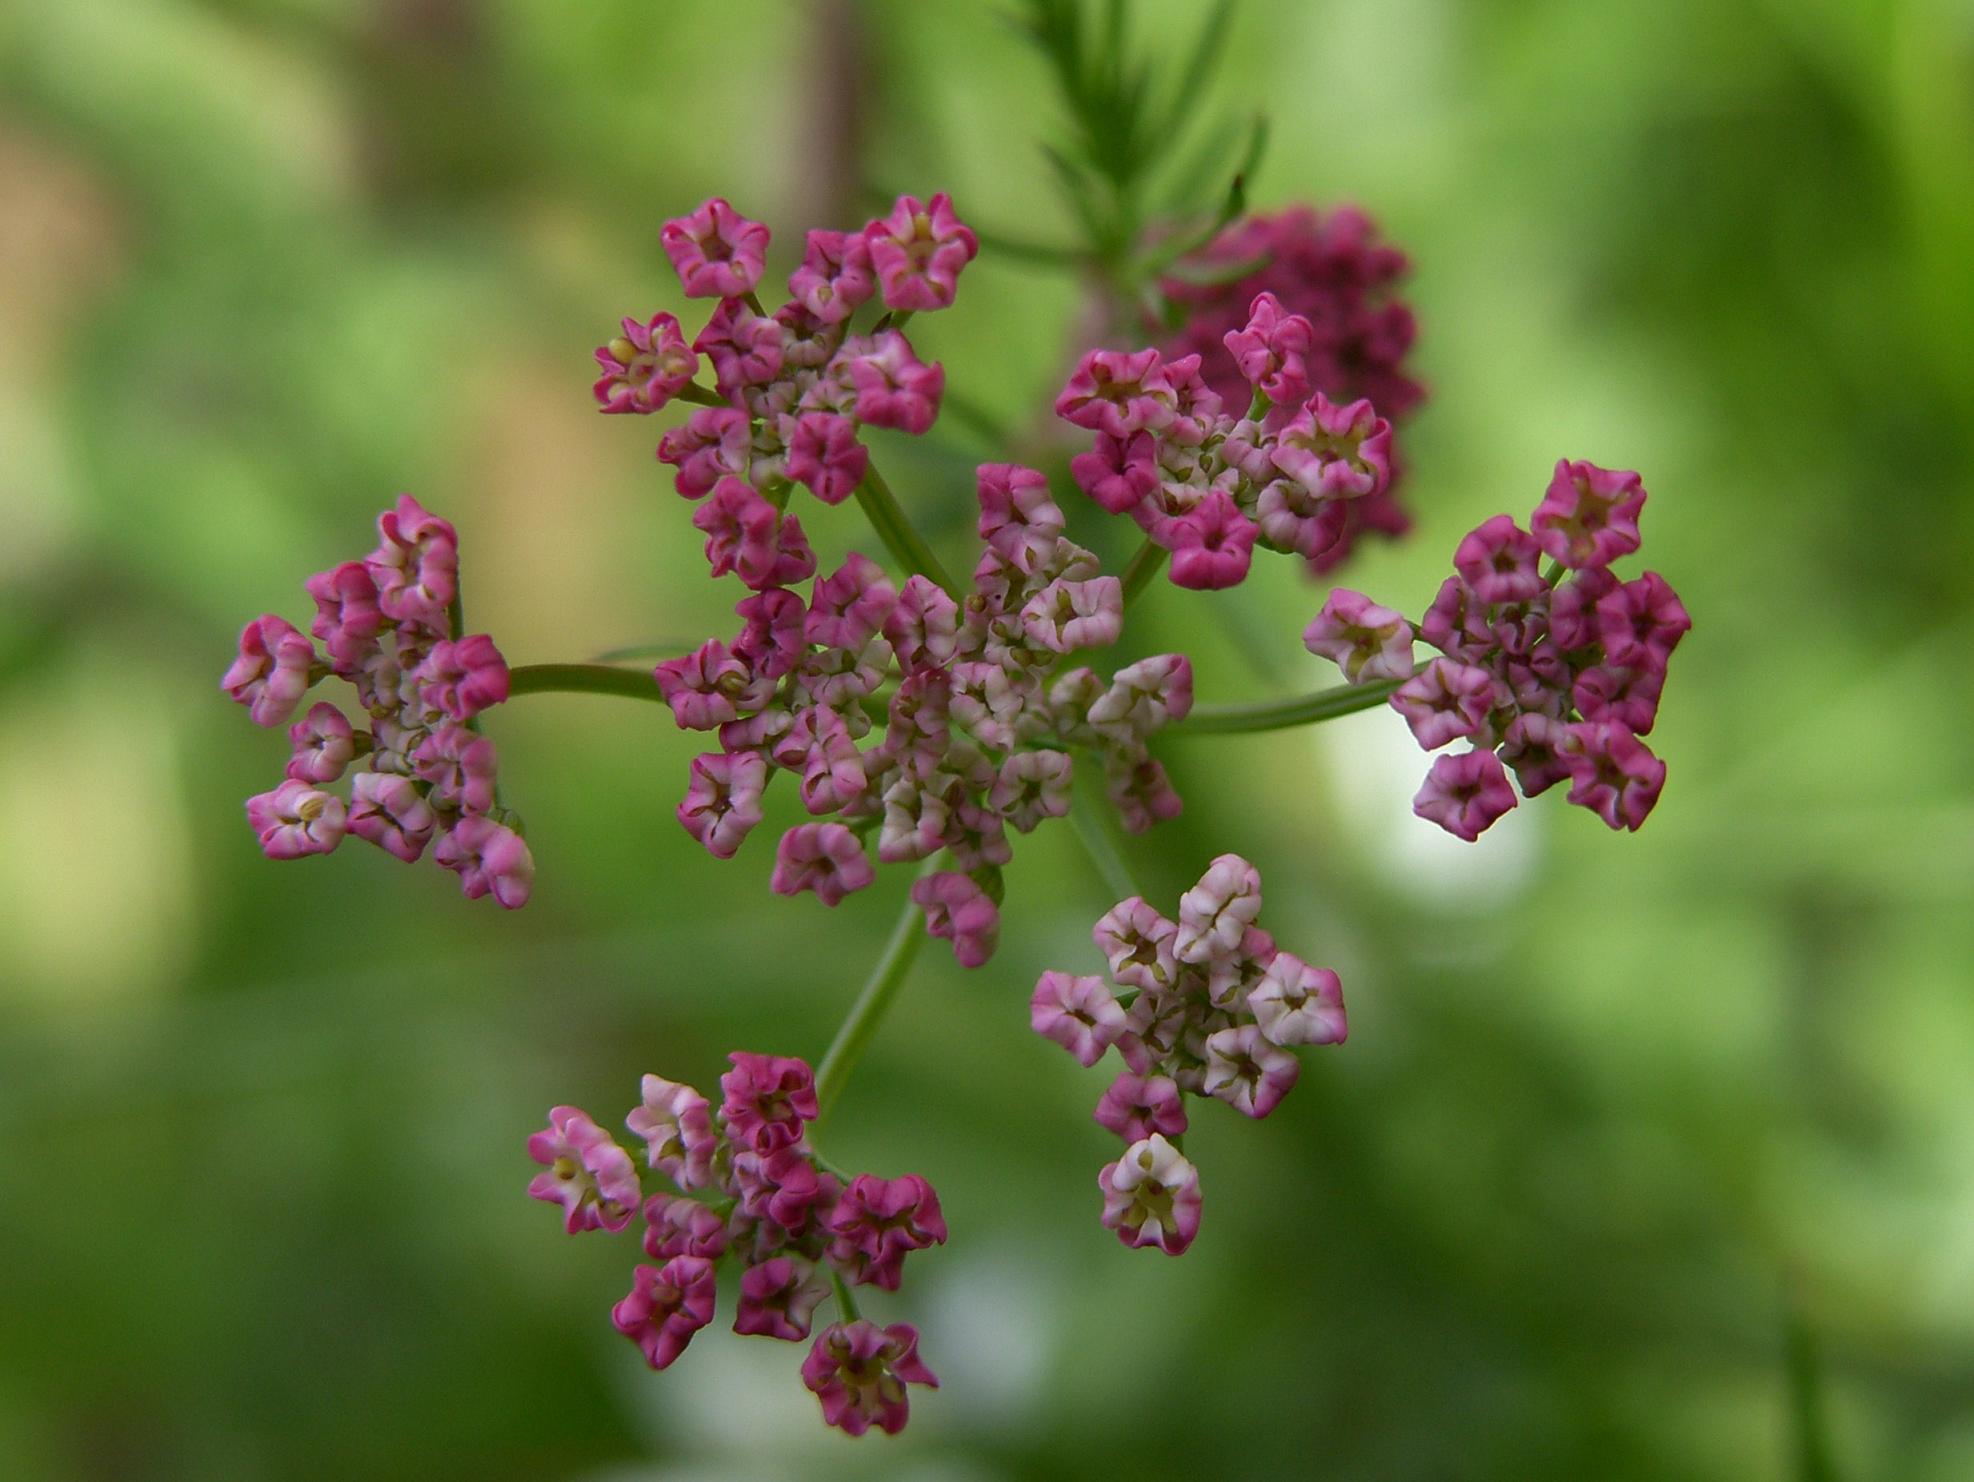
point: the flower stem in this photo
(868, 1011)
(704, 397)
(1145, 563)
(1089, 820)
(1277, 715)
(846, 1305)
(899, 534)
(585, 679)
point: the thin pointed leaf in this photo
(1201, 60)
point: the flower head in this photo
(666, 1306)
(917, 252)
(1151, 1196)
(859, 1372)
(717, 252)
(591, 1177)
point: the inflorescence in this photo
(926, 721)
(742, 1185)
(389, 626)
(1206, 1005)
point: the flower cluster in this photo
(742, 1183)
(795, 387)
(1557, 672)
(976, 725)
(388, 626)
(1206, 1004)
(1207, 485)
(1333, 271)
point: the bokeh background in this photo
(1648, 1157)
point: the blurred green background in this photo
(1648, 1157)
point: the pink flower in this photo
(1031, 786)
(825, 455)
(415, 565)
(833, 769)
(1500, 562)
(1117, 472)
(347, 618)
(1246, 1071)
(959, 911)
(1078, 1013)
(1136, 784)
(490, 859)
(918, 251)
(765, 1099)
(848, 607)
(1290, 518)
(1118, 392)
(1151, 1196)
(772, 643)
(709, 687)
(923, 625)
(1211, 546)
(390, 812)
(666, 1306)
(1215, 913)
(1136, 1106)
(676, 1123)
(1018, 516)
(1532, 745)
(824, 857)
(835, 275)
(271, 673)
(1296, 1004)
(717, 252)
(463, 677)
(1613, 773)
(1145, 696)
(748, 536)
(778, 1297)
(722, 802)
(683, 1227)
(784, 1188)
(1464, 793)
(1336, 451)
(1272, 351)
(877, 1222)
(1068, 615)
(893, 387)
(1629, 697)
(1366, 641)
(324, 745)
(588, 1174)
(1445, 701)
(745, 347)
(1139, 945)
(859, 1372)
(711, 444)
(1641, 623)
(296, 819)
(460, 766)
(645, 366)
(1573, 608)
(1589, 516)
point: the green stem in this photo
(1089, 820)
(869, 1009)
(846, 1305)
(1145, 563)
(1277, 715)
(899, 534)
(703, 397)
(582, 679)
